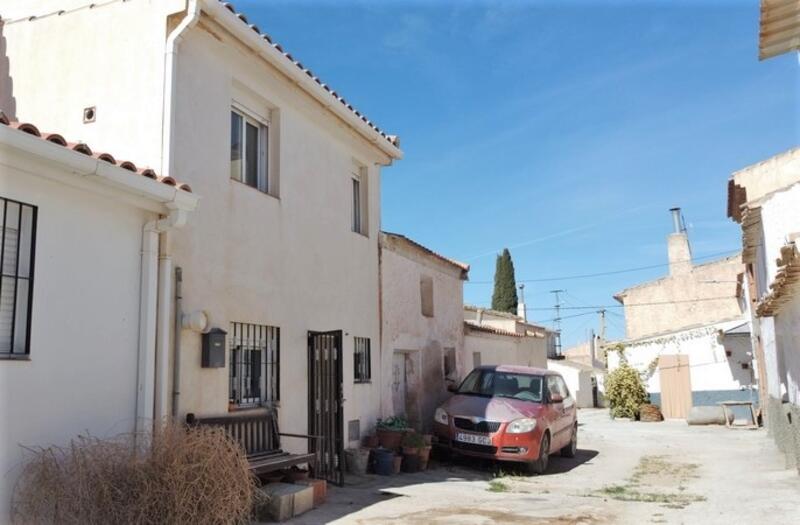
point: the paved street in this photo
(625, 472)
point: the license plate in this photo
(475, 439)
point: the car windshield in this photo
(491, 383)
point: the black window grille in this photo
(254, 364)
(17, 251)
(362, 362)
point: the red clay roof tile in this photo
(80, 147)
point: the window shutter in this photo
(8, 287)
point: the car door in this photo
(569, 409)
(555, 411)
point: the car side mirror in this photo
(556, 398)
(452, 388)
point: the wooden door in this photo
(676, 386)
(399, 383)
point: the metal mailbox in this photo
(214, 348)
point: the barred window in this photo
(254, 364)
(17, 249)
(362, 361)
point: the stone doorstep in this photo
(284, 501)
(320, 487)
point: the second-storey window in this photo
(362, 364)
(254, 364)
(17, 248)
(250, 151)
(359, 200)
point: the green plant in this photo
(625, 391)
(504, 298)
(413, 440)
(393, 423)
(498, 485)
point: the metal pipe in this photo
(176, 348)
(676, 220)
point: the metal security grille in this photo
(325, 415)
(254, 364)
(480, 426)
(17, 250)
(362, 362)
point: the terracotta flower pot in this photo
(428, 438)
(371, 442)
(398, 463)
(389, 438)
(410, 451)
(424, 456)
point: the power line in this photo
(612, 272)
(655, 303)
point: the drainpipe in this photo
(176, 344)
(149, 383)
(170, 85)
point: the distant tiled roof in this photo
(461, 266)
(392, 139)
(490, 329)
(80, 147)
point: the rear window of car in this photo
(491, 383)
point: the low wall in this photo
(783, 424)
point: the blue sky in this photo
(562, 130)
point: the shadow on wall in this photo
(8, 104)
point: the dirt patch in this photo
(654, 480)
(484, 516)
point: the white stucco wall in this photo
(710, 368)
(578, 379)
(405, 329)
(780, 335)
(506, 350)
(292, 261)
(81, 376)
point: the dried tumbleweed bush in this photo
(184, 476)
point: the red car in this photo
(510, 413)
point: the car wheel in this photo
(539, 466)
(570, 450)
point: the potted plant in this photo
(390, 431)
(398, 463)
(412, 442)
(371, 441)
(424, 456)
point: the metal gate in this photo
(325, 416)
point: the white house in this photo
(422, 348)
(764, 198)
(582, 380)
(500, 338)
(283, 253)
(78, 291)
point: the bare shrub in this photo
(179, 475)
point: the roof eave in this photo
(253, 39)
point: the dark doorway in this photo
(325, 415)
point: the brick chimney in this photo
(680, 254)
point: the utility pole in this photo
(602, 326)
(557, 319)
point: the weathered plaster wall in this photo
(704, 295)
(81, 376)
(405, 329)
(505, 350)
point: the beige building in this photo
(692, 294)
(281, 258)
(422, 334)
(764, 199)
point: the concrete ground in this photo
(625, 472)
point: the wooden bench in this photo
(259, 437)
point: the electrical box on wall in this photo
(214, 348)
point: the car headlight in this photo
(520, 426)
(440, 416)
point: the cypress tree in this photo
(504, 298)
